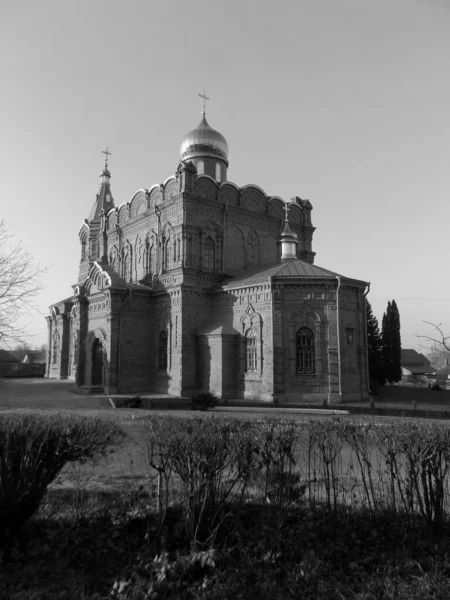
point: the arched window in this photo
(200, 167)
(167, 255)
(83, 248)
(163, 350)
(251, 354)
(305, 351)
(126, 265)
(218, 172)
(209, 252)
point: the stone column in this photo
(49, 346)
(82, 339)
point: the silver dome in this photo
(203, 141)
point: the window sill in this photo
(252, 376)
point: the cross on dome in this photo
(205, 98)
(105, 152)
(286, 211)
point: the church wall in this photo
(353, 344)
(242, 310)
(58, 354)
(311, 306)
(196, 311)
(314, 306)
(97, 322)
(217, 362)
(137, 360)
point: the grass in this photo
(80, 554)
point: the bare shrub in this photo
(211, 459)
(33, 451)
(417, 458)
(277, 448)
(324, 441)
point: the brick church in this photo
(198, 283)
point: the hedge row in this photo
(204, 464)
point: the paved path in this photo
(41, 393)
(54, 395)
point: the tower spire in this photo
(104, 200)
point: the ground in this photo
(79, 552)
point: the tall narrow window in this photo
(83, 248)
(305, 351)
(167, 254)
(218, 172)
(209, 254)
(251, 354)
(200, 167)
(163, 347)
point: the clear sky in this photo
(343, 102)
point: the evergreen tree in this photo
(390, 336)
(375, 347)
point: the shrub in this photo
(134, 402)
(33, 451)
(203, 400)
(276, 447)
(211, 459)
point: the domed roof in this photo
(203, 141)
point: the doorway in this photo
(97, 363)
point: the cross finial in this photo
(105, 152)
(205, 98)
(286, 211)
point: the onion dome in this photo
(288, 242)
(204, 141)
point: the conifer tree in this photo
(375, 347)
(390, 336)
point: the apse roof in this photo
(294, 268)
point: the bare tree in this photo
(20, 283)
(440, 338)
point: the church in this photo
(199, 284)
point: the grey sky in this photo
(344, 102)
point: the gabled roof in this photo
(415, 362)
(294, 268)
(35, 356)
(411, 357)
(7, 357)
(19, 355)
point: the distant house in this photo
(22, 363)
(442, 375)
(7, 357)
(414, 364)
(7, 363)
(35, 357)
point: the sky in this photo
(342, 102)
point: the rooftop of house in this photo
(7, 357)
